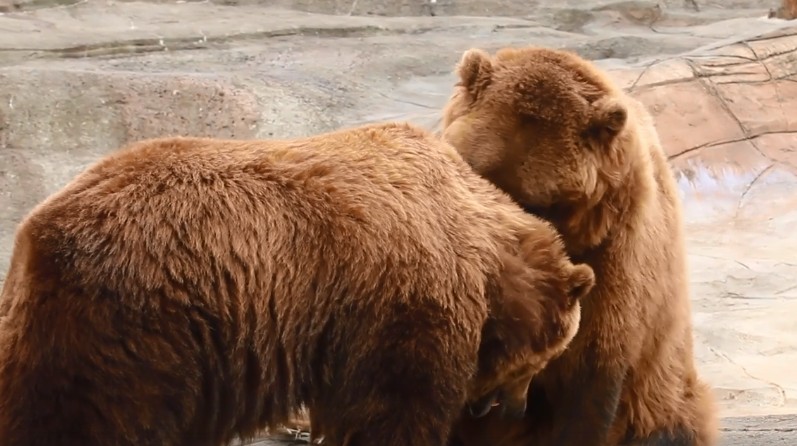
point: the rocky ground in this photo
(80, 78)
(736, 431)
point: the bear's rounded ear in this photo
(581, 281)
(475, 70)
(609, 117)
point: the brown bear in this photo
(187, 291)
(550, 129)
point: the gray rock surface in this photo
(79, 78)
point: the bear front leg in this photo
(676, 437)
(404, 382)
(587, 406)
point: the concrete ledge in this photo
(779, 430)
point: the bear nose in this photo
(478, 411)
(483, 406)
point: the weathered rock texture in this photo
(80, 78)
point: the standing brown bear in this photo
(185, 291)
(551, 130)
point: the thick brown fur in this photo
(187, 291)
(550, 129)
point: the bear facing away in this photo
(551, 130)
(185, 291)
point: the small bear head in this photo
(534, 314)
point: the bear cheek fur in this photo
(465, 133)
(570, 174)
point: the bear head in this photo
(533, 316)
(548, 128)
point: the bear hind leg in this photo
(83, 374)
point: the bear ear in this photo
(609, 117)
(475, 70)
(581, 281)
